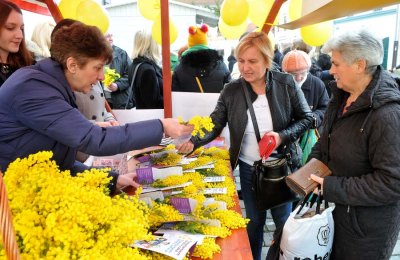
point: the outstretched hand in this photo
(127, 180)
(174, 129)
(185, 148)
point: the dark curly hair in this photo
(80, 41)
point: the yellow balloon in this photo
(68, 8)
(92, 13)
(295, 7)
(231, 32)
(150, 9)
(317, 34)
(259, 10)
(156, 31)
(234, 12)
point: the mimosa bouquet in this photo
(110, 76)
(57, 216)
(200, 124)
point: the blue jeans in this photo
(255, 228)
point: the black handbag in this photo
(269, 175)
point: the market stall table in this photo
(234, 247)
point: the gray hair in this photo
(144, 45)
(355, 46)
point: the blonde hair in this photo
(259, 40)
(41, 36)
(144, 45)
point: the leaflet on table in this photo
(187, 205)
(174, 227)
(214, 179)
(150, 174)
(220, 204)
(147, 150)
(167, 230)
(158, 195)
(147, 189)
(207, 166)
(209, 191)
(175, 246)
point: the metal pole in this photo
(276, 6)
(166, 65)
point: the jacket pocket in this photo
(354, 222)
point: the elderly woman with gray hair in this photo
(361, 145)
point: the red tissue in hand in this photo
(266, 146)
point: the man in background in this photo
(117, 93)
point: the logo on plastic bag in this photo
(323, 235)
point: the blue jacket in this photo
(38, 112)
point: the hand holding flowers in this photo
(110, 76)
(200, 125)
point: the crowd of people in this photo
(52, 98)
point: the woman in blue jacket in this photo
(38, 110)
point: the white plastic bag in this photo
(307, 237)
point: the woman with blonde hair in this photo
(146, 83)
(41, 36)
(281, 112)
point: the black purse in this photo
(269, 175)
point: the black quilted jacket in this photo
(291, 115)
(207, 66)
(362, 149)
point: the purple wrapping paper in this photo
(181, 204)
(145, 175)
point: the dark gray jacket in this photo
(120, 63)
(362, 149)
(291, 115)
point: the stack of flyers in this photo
(174, 245)
(106, 162)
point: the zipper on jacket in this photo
(329, 144)
(348, 208)
(240, 148)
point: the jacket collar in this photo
(54, 70)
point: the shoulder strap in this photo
(131, 87)
(251, 110)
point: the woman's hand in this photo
(113, 87)
(320, 181)
(174, 129)
(103, 124)
(126, 180)
(114, 123)
(185, 148)
(277, 138)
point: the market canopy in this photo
(324, 10)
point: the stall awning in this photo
(35, 6)
(325, 10)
